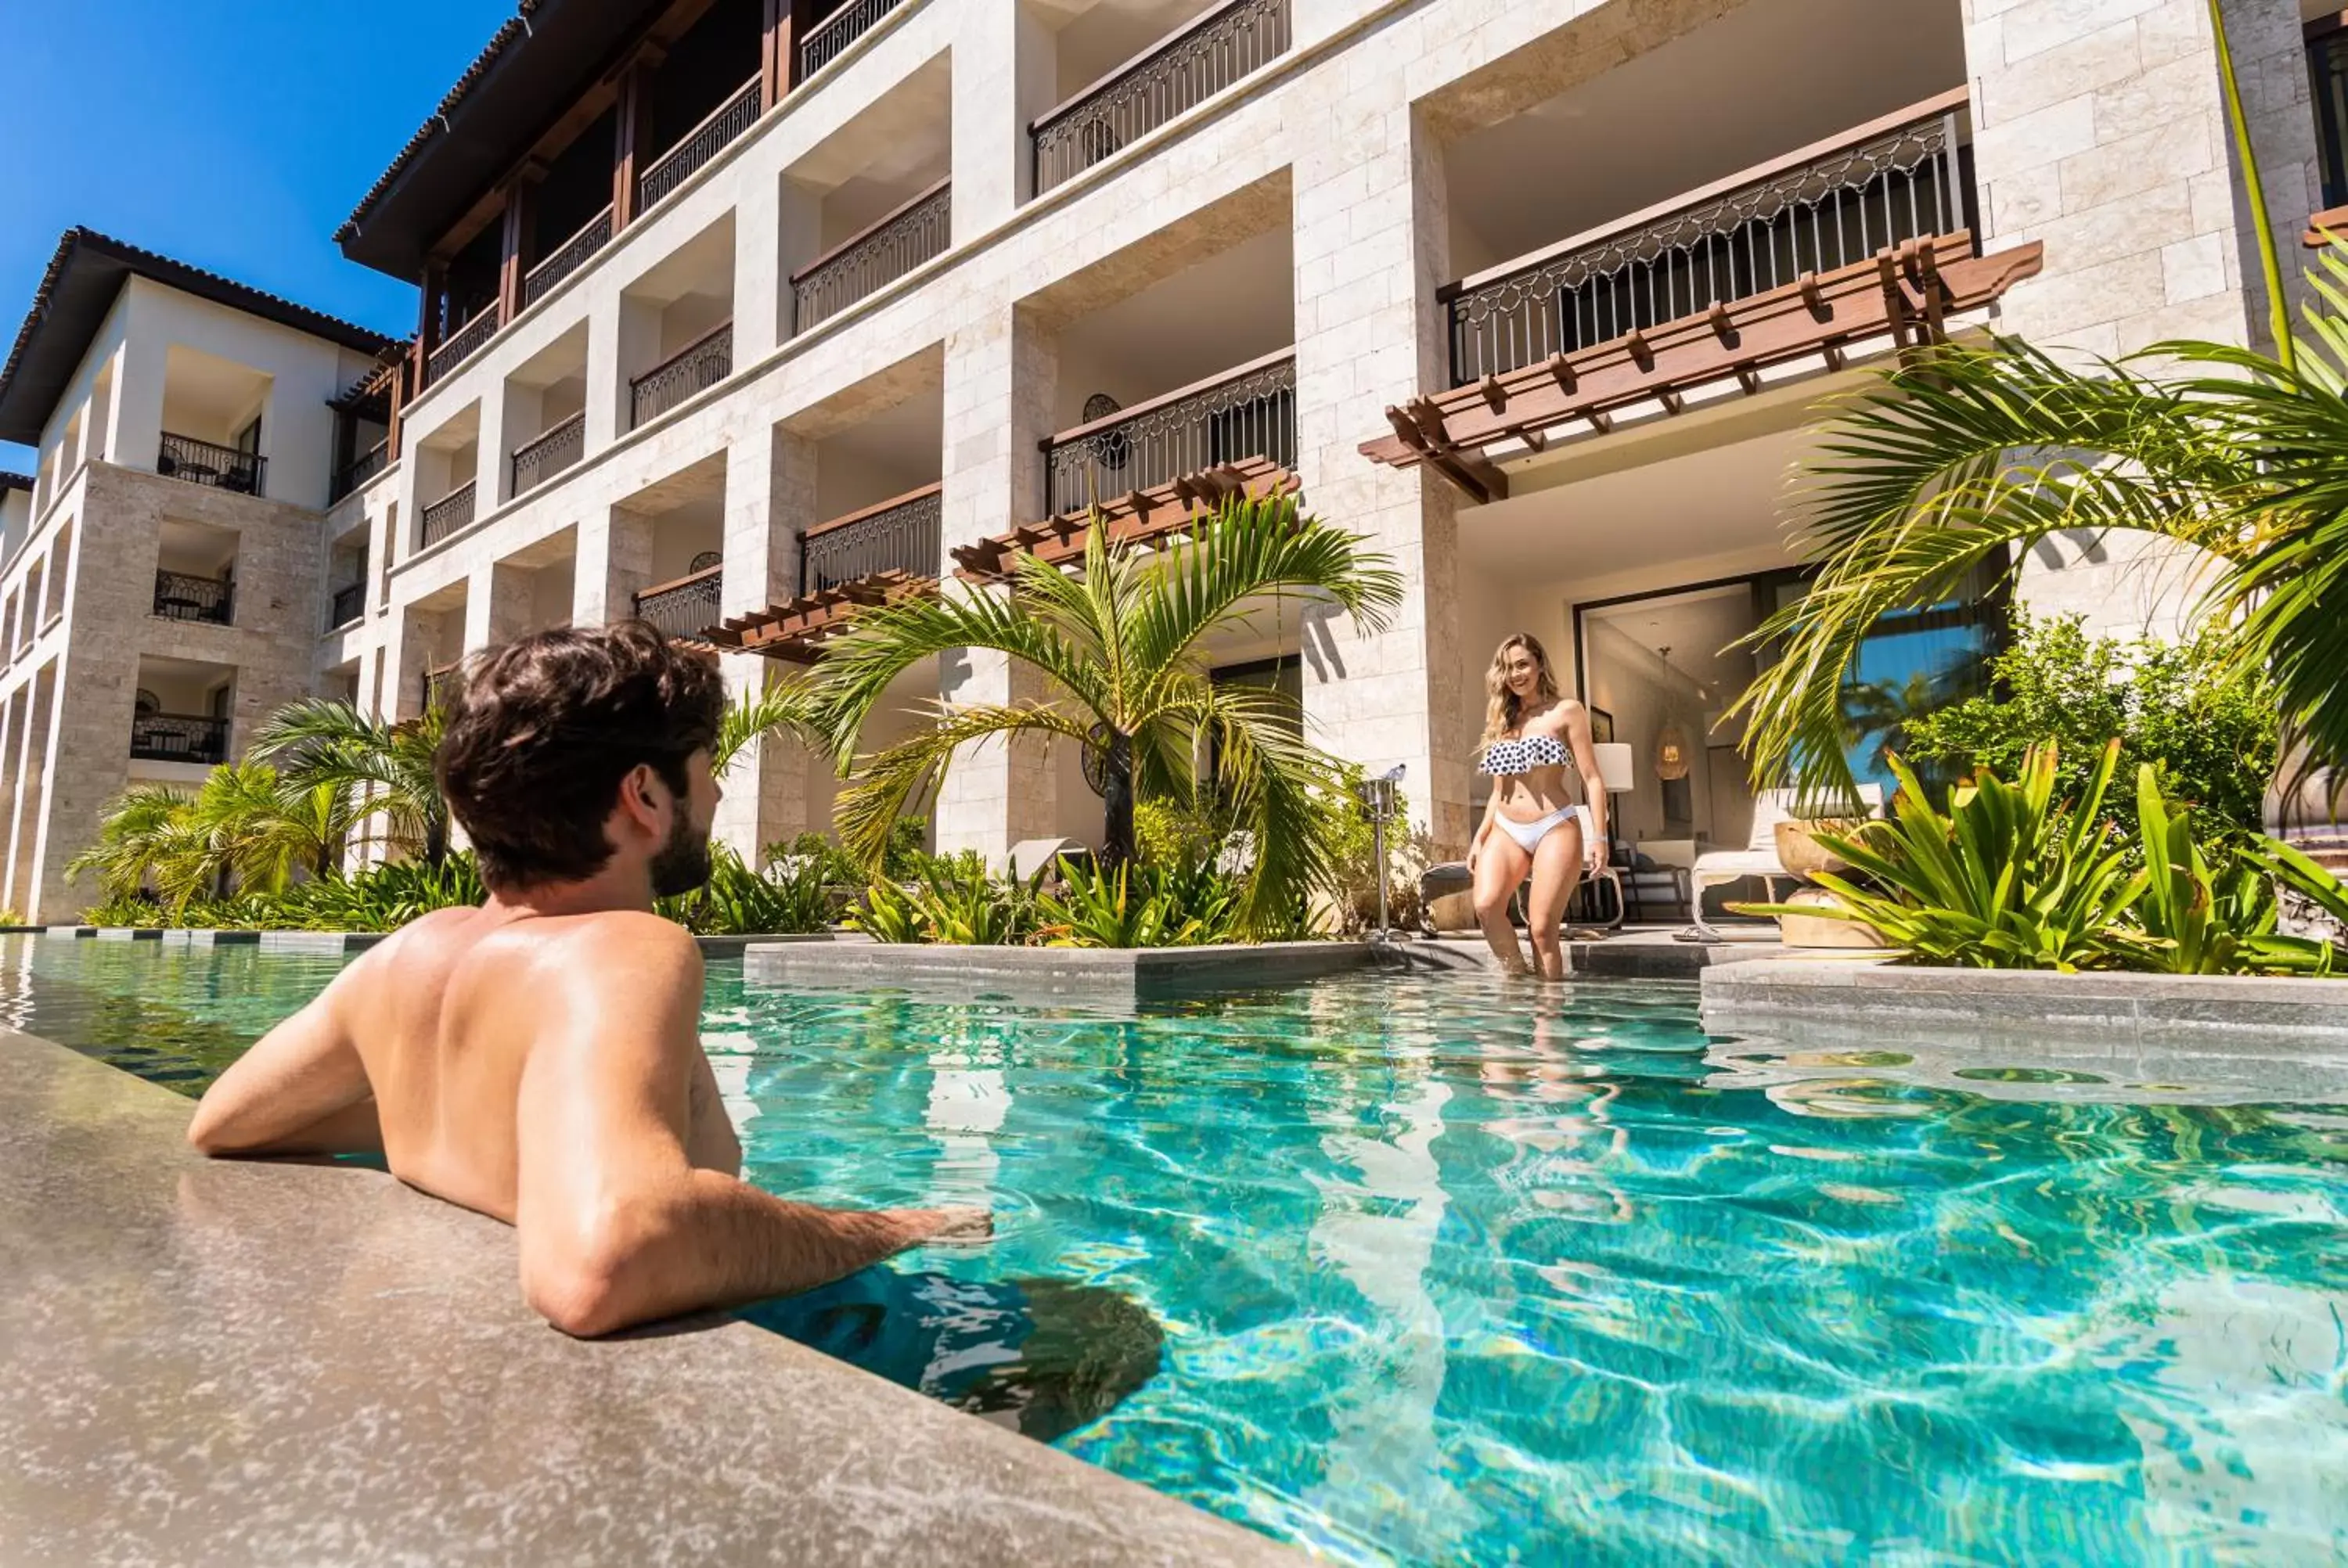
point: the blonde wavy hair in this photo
(1504, 711)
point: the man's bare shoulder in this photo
(598, 954)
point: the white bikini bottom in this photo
(1528, 835)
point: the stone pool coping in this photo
(2292, 1015)
(1114, 978)
(209, 1361)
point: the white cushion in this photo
(1728, 863)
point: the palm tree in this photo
(1119, 651)
(320, 743)
(1966, 456)
(263, 829)
(790, 706)
(144, 836)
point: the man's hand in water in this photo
(956, 1224)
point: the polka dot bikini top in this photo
(1505, 759)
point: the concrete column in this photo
(406, 655)
(497, 604)
(770, 496)
(84, 763)
(1000, 381)
(24, 761)
(1371, 250)
(1005, 70)
(761, 297)
(499, 431)
(607, 388)
(615, 565)
(135, 425)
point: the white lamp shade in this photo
(1614, 765)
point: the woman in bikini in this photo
(1537, 748)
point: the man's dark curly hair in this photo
(540, 733)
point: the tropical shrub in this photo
(953, 899)
(2208, 729)
(2008, 878)
(738, 901)
(2012, 876)
(1179, 905)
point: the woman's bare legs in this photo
(1556, 867)
(1500, 869)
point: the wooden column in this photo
(427, 324)
(515, 247)
(787, 22)
(633, 149)
(403, 378)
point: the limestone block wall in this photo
(109, 626)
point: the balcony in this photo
(179, 738)
(538, 460)
(179, 596)
(694, 369)
(916, 232)
(438, 685)
(348, 603)
(900, 534)
(567, 258)
(1826, 207)
(699, 144)
(353, 476)
(462, 344)
(209, 463)
(1229, 43)
(685, 608)
(829, 39)
(445, 516)
(1247, 412)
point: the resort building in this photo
(740, 313)
(166, 569)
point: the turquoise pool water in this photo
(1451, 1271)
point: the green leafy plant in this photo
(738, 901)
(951, 899)
(2009, 878)
(2209, 729)
(2205, 914)
(1139, 905)
(383, 767)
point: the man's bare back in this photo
(539, 1059)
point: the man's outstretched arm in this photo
(300, 1089)
(617, 1226)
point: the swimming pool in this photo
(1433, 1271)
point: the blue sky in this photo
(234, 135)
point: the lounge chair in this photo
(1759, 856)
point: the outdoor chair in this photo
(1759, 856)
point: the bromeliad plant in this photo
(1182, 905)
(2008, 878)
(2014, 877)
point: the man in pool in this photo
(538, 1059)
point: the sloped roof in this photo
(84, 277)
(15, 481)
(531, 69)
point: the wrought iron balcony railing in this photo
(1824, 207)
(181, 597)
(462, 344)
(1250, 412)
(899, 535)
(445, 516)
(347, 605)
(694, 368)
(538, 460)
(355, 475)
(567, 258)
(685, 608)
(438, 684)
(210, 462)
(916, 232)
(828, 39)
(699, 146)
(1233, 40)
(179, 738)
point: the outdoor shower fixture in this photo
(1377, 796)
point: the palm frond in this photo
(790, 706)
(889, 783)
